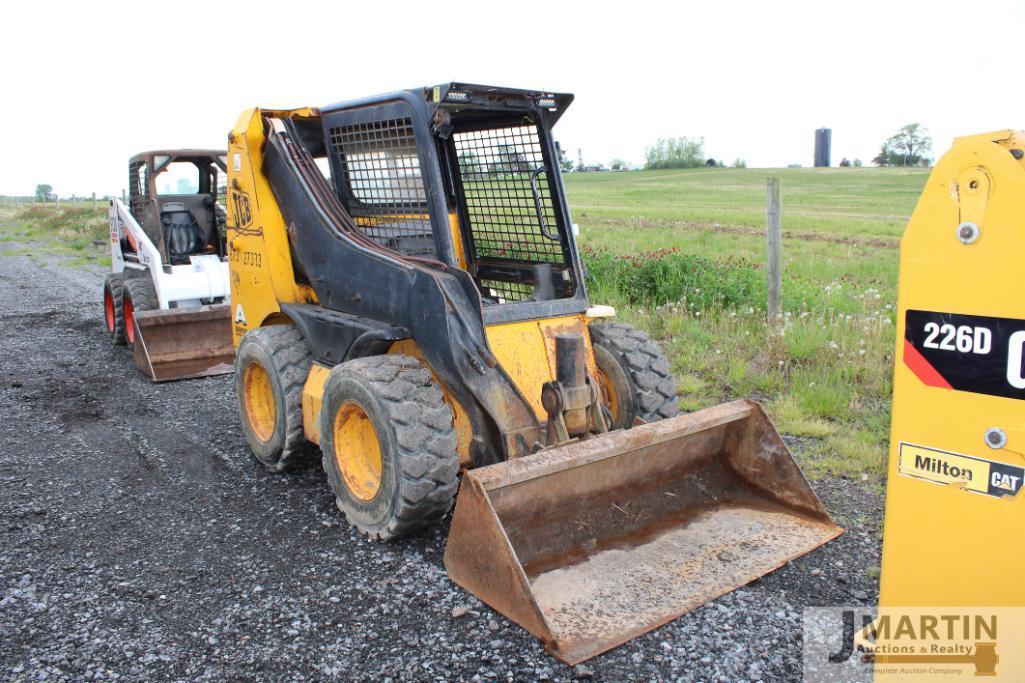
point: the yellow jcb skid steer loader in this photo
(407, 294)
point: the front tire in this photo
(271, 367)
(138, 295)
(114, 307)
(634, 374)
(389, 445)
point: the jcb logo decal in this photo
(243, 214)
(988, 477)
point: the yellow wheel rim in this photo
(608, 394)
(259, 397)
(357, 451)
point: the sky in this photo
(86, 85)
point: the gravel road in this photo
(140, 540)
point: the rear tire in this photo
(389, 445)
(637, 373)
(114, 307)
(271, 367)
(138, 295)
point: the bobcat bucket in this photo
(593, 543)
(179, 343)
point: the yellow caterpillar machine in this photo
(955, 515)
(407, 295)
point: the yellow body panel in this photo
(944, 542)
(313, 393)
(258, 249)
(519, 348)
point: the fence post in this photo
(774, 245)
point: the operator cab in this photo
(178, 197)
(459, 173)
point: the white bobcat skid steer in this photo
(168, 295)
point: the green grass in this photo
(78, 231)
(680, 254)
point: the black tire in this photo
(138, 294)
(114, 307)
(281, 353)
(419, 465)
(638, 371)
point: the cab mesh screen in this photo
(381, 184)
(496, 167)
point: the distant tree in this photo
(739, 163)
(712, 163)
(675, 153)
(845, 162)
(907, 147)
(618, 165)
(43, 192)
(857, 163)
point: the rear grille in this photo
(496, 167)
(381, 184)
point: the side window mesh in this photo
(381, 185)
(496, 168)
(508, 201)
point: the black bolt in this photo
(1017, 154)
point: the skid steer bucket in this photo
(181, 343)
(593, 543)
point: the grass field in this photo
(824, 372)
(76, 230)
(680, 254)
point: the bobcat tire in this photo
(389, 445)
(635, 375)
(138, 295)
(271, 367)
(114, 307)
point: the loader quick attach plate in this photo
(180, 343)
(591, 544)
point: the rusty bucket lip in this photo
(479, 484)
(220, 363)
